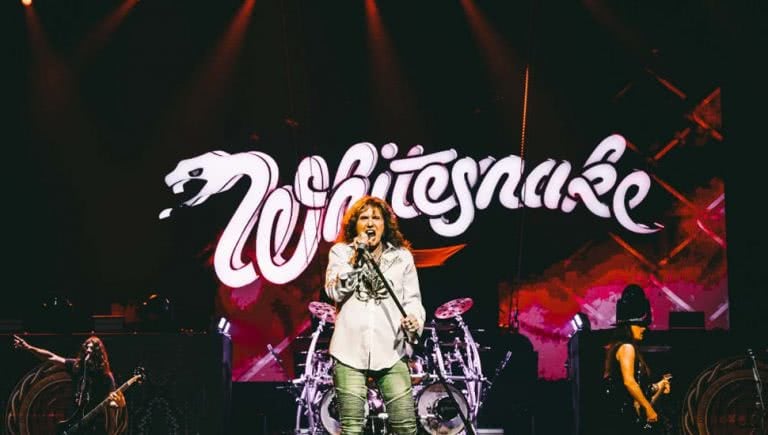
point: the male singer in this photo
(369, 338)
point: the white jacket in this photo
(367, 334)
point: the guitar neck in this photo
(98, 407)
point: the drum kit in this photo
(446, 376)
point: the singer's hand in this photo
(361, 239)
(360, 242)
(410, 323)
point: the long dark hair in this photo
(392, 232)
(622, 334)
(99, 360)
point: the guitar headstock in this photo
(139, 374)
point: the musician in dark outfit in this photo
(93, 382)
(626, 375)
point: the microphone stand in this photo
(412, 338)
(83, 383)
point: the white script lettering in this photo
(432, 185)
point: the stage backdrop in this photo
(540, 157)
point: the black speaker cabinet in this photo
(187, 389)
(683, 353)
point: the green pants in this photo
(395, 388)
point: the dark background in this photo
(96, 122)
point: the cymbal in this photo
(453, 308)
(323, 311)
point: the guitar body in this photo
(67, 427)
(82, 423)
(662, 426)
(71, 426)
(627, 417)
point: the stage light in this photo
(26, 2)
(223, 326)
(57, 304)
(580, 322)
(55, 313)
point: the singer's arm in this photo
(412, 292)
(340, 276)
(42, 354)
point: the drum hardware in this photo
(375, 413)
(323, 311)
(291, 387)
(315, 380)
(473, 368)
(438, 413)
(447, 379)
(456, 357)
(420, 369)
(465, 352)
(453, 308)
(454, 401)
(489, 383)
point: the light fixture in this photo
(223, 326)
(580, 322)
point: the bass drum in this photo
(329, 413)
(438, 414)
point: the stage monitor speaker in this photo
(686, 320)
(187, 389)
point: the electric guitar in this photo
(75, 424)
(661, 423)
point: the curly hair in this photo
(100, 359)
(392, 232)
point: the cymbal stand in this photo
(468, 425)
(306, 400)
(439, 363)
(458, 358)
(475, 380)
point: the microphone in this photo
(86, 359)
(361, 246)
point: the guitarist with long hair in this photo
(631, 395)
(94, 385)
